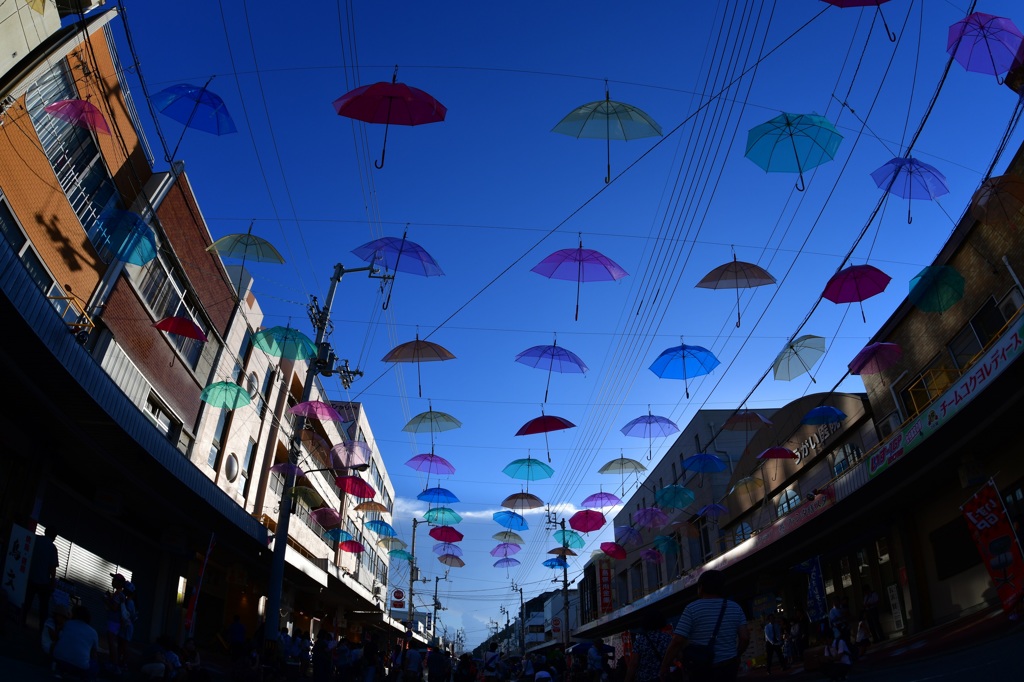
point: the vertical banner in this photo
(604, 586)
(817, 605)
(16, 564)
(190, 612)
(997, 543)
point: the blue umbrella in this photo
(194, 107)
(437, 496)
(556, 562)
(510, 520)
(684, 362)
(908, 178)
(337, 535)
(382, 528)
(703, 463)
(398, 254)
(648, 426)
(793, 143)
(128, 235)
(823, 414)
(553, 358)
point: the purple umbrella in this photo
(447, 548)
(431, 464)
(856, 284)
(506, 549)
(875, 358)
(507, 562)
(649, 517)
(626, 535)
(651, 555)
(984, 43)
(648, 426)
(582, 265)
(288, 469)
(350, 454)
(553, 359)
(908, 178)
(398, 254)
(601, 500)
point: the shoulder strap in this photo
(718, 624)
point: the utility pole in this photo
(565, 595)
(522, 618)
(322, 364)
(412, 569)
(437, 604)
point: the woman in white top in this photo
(837, 658)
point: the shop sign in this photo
(604, 586)
(958, 396)
(556, 625)
(997, 543)
(815, 440)
(16, 564)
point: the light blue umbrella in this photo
(793, 143)
(674, 497)
(442, 516)
(684, 362)
(910, 179)
(400, 554)
(528, 469)
(129, 235)
(510, 520)
(570, 539)
(382, 528)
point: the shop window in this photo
(654, 576)
(882, 548)
(953, 548)
(743, 532)
(826, 576)
(788, 501)
(636, 581)
(845, 573)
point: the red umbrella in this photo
(545, 424)
(355, 486)
(446, 534)
(875, 358)
(351, 546)
(747, 420)
(877, 4)
(614, 550)
(182, 326)
(79, 112)
(389, 103)
(586, 520)
(777, 453)
(855, 284)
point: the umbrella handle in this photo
(888, 32)
(800, 184)
(387, 124)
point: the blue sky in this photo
(491, 191)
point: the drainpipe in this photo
(1016, 280)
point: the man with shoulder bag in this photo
(710, 635)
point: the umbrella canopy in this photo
(446, 534)
(437, 496)
(431, 421)
(793, 143)
(226, 394)
(315, 409)
(665, 544)
(608, 120)
(508, 536)
(130, 237)
(579, 265)
(622, 465)
(382, 528)
(798, 357)
(552, 358)
(856, 284)
(556, 562)
(823, 414)
(777, 452)
(712, 511)
(398, 254)
(746, 420)
(350, 454)
(936, 288)
(194, 107)
(431, 464)
(684, 362)
(288, 469)
(674, 497)
(442, 516)
(418, 351)
(311, 497)
(79, 112)
(562, 552)
(392, 543)
(355, 486)
(337, 535)
(506, 562)
(985, 43)
(447, 548)
(909, 178)
(704, 463)
(520, 501)
(246, 246)
(875, 358)
(371, 506)
(648, 426)
(736, 275)
(569, 538)
(614, 550)
(750, 485)
(586, 520)
(326, 516)
(506, 549)
(284, 342)
(352, 547)
(544, 424)
(451, 560)
(600, 500)
(528, 469)
(510, 520)
(627, 535)
(651, 555)
(400, 554)
(182, 326)
(390, 103)
(650, 517)
(999, 201)
(877, 4)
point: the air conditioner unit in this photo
(377, 589)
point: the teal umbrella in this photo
(528, 469)
(284, 342)
(793, 143)
(936, 288)
(337, 535)
(400, 554)
(674, 497)
(442, 516)
(225, 394)
(665, 544)
(570, 539)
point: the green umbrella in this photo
(442, 516)
(528, 469)
(247, 247)
(225, 394)
(284, 342)
(936, 288)
(432, 422)
(570, 539)
(400, 554)
(674, 497)
(665, 544)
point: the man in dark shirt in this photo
(42, 575)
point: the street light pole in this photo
(565, 597)
(322, 364)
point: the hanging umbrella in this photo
(608, 120)
(622, 465)
(798, 357)
(437, 496)
(371, 506)
(910, 179)
(579, 265)
(684, 362)
(569, 538)
(936, 288)
(432, 422)
(627, 535)
(226, 394)
(400, 554)
(37, 5)
(326, 516)
(194, 107)
(600, 500)
(556, 562)
(315, 409)
(614, 550)
(312, 498)
(506, 562)
(79, 112)
(648, 426)
(442, 516)
(128, 235)
(398, 254)
(674, 497)
(506, 549)
(508, 536)
(823, 414)
(447, 548)
(553, 358)
(984, 43)
(390, 103)
(776, 453)
(337, 535)
(350, 454)
(999, 201)
(510, 520)
(545, 423)
(856, 284)
(746, 420)
(352, 547)
(528, 469)
(649, 517)
(431, 464)
(711, 511)
(182, 326)
(392, 543)
(284, 342)
(736, 275)
(875, 358)
(446, 534)
(288, 469)
(562, 552)
(651, 555)
(521, 501)
(246, 246)
(703, 463)
(793, 143)
(451, 560)
(750, 485)
(877, 4)
(355, 486)
(419, 352)
(382, 528)
(665, 544)
(586, 520)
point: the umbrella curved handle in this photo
(800, 184)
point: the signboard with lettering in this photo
(556, 625)
(16, 564)
(997, 543)
(604, 586)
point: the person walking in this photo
(42, 576)
(870, 604)
(773, 643)
(491, 660)
(710, 635)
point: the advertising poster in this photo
(997, 543)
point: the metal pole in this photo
(412, 569)
(522, 623)
(565, 598)
(276, 586)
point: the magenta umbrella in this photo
(446, 534)
(586, 520)
(843, 4)
(614, 550)
(984, 43)
(875, 358)
(355, 486)
(581, 265)
(315, 409)
(326, 517)
(855, 284)
(79, 112)
(649, 517)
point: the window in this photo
(845, 456)
(162, 418)
(247, 464)
(268, 384)
(743, 532)
(37, 271)
(164, 291)
(243, 355)
(789, 501)
(218, 436)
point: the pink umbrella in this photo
(326, 516)
(600, 500)
(315, 409)
(182, 326)
(746, 420)
(355, 486)
(586, 520)
(614, 550)
(649, 517)
(855, 284)
(866, 3)
(80, 113)
(875, 358)
(351, 546)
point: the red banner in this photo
(997, 543)
(604, 586)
